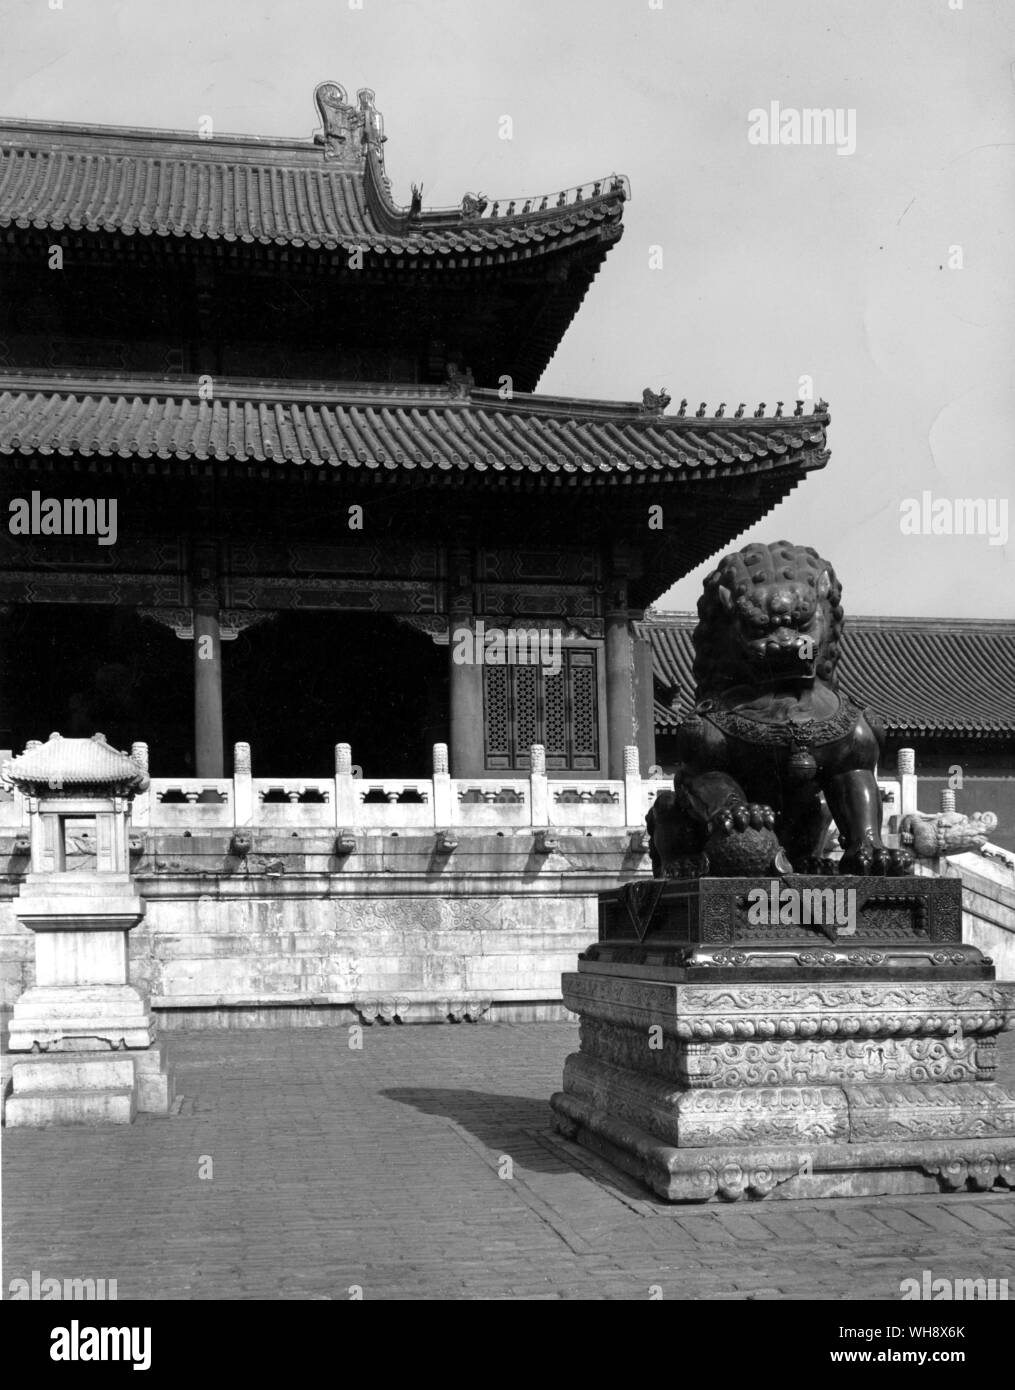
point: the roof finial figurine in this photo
(460, 380)
(683, 407)
(474, 205)
(821, 407)
(778, 410)
(701, 410)
(738, 414)
(760, 411)
(721, 411)
(416, 205)
(348, 131)
(651, 401)
(799, 408)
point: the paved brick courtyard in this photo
(380, 1168)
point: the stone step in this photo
(41, 1109)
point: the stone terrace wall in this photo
(293, 933)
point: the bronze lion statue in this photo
(773, 751)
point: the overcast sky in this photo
(779, 261)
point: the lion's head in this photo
(769, 612)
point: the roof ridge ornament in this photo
(460, 381)
(349, 132)
(653, 402)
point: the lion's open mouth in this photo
(796, 657)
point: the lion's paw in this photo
(876, 861)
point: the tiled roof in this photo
(924, 676)
(274, 192)
(74, 762)
(387, 427)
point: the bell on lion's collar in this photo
(802, 766)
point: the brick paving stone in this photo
(381, 1168)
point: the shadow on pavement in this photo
(501, 1123)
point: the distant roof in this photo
(925, 677)
(329, 193)
(458, 428)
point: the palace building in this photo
(312, 412)
(288, 517)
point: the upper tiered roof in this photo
(491, 285)
(330, 193)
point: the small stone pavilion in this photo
(82, 1038)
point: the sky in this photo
(881, 277)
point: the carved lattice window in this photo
(526, 704)
(497, 710)
(526, 688)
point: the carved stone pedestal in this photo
(726, 1054)
(86, 1036)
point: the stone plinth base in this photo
(87, 1087)
(80, 1018)
(759, 1171)
(781, 1068)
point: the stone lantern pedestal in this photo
(82, 1039)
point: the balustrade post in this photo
(443, 799)
(243, 786)
(634, 789)
(347, 809)
(141, 813)
(539, 789)
(907, 781)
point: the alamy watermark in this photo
(786, 125)
(512, 646)
(941, 1289)
(792, 907)
(928, 515)
(64, 516)
(45, 1290)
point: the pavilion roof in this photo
(450, 433)
(925, 677)
(74, 762)
(288, 193)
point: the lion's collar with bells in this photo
(805, 733)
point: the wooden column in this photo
(620, 707)
(465, 684)
(209, 741)
(644, 699)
